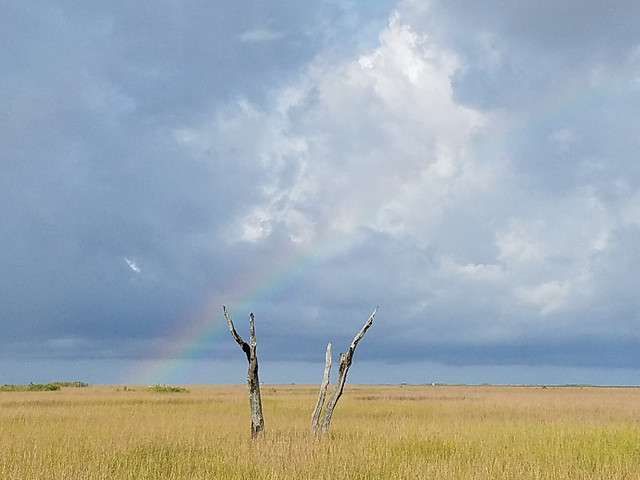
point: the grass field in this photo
(378, 432)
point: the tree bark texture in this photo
(253, 382)
(343, 367)
(315, 417)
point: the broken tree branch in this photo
(343, 367)
(315, 417)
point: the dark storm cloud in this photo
(517, 49)
(546, 24)
(469, 168)
(90, 172)
(569, 352)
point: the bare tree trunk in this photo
(315, 417)
(255, 402)
(343, 368)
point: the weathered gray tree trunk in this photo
(315, 417)
(253, 382)
(343, 368)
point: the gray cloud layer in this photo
(469, 168)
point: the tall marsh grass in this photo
(378, 432)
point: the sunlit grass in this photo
(378, 432)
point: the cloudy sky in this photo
(473, 168)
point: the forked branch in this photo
(253, 382)
(343, 368)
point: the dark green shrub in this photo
(166, 389)
(75, 383)
(32, 387)
(38, 387)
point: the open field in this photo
(378, 432)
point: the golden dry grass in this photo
(378, 432)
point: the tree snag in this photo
(255, 402)
(343, 367)
(315, 418)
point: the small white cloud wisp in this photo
(132, 265)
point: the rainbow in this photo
(199, 330)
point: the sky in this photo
(472, 168)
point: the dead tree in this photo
(315, 417)
(255, 402)
(343, 368)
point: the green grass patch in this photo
(41, 387)
(166, 389)
(31, 387)
(73, 384)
